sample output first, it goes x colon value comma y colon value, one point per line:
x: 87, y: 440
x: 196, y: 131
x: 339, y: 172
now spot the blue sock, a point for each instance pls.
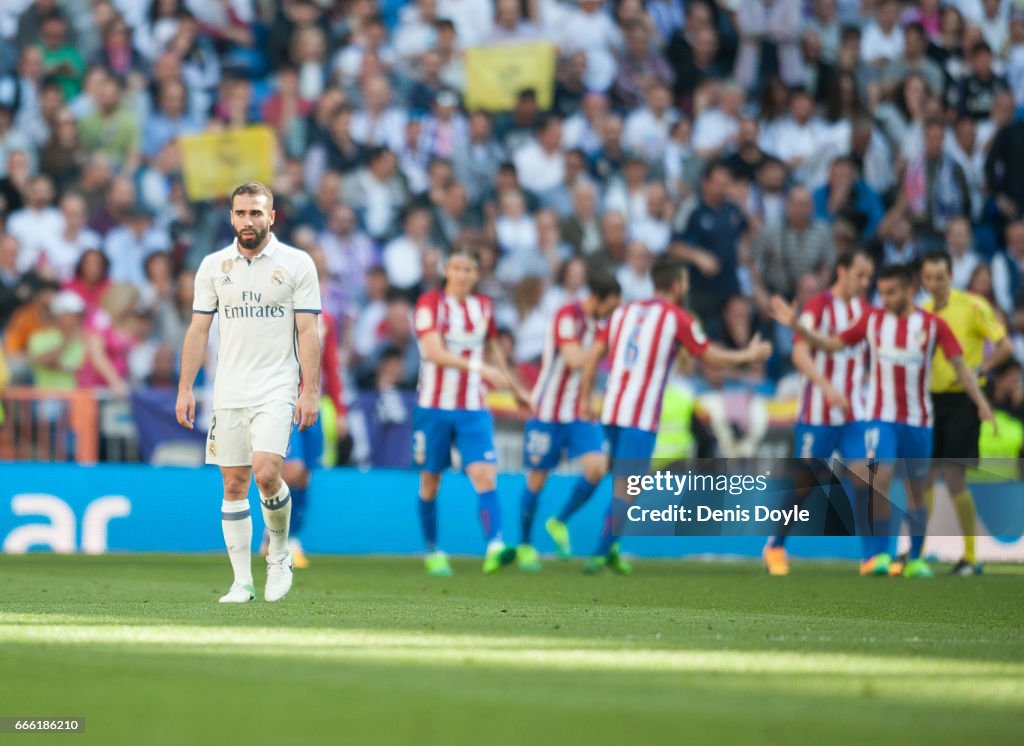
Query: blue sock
x: 299, y: 495
x: 880, y: 537
x: 859, y: 495
x: 490, y: 514
x: 581, y: 492
x: 918, y: 520
x: 613, y: 520
x: 777, y: 542
x: 428, y: 522
x: 527, y: 508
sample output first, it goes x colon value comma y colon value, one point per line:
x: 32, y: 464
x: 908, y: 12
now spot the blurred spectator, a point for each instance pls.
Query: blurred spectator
x: 349, y: 251
x: 710, y: 245
x: 129, y: 245
x: 394, y: 334
x: 172, y: 319
x: 370, y: 312
x: 627, y: 193
x: 693, y: 53
x: 1004, y: 170
x: 653, y: 227
x: 11, y: 140
x: 58, y: 253
x: 57, y: 350
x: 958, y: 244
x: 769, y: 37
x: 118, y: 204
x: 1007, y: 268
x: 91, y: 279
x: 614, y: 240
x: 10, y: 278
x: 738, y: 329
x: 883, y: 39
x: 826, y: 27
x: 112, y: 127
x: 935, y: 189
x: 786, y: 251
x: 570, y: 85
x: 509, y: 24
x: 540, y: 163
x: 378, y: 122
x: 639, y: 69
x: 453, y: 219
x: 109, y: 338
x: 979, y: 88
x: 531, y: 321
x: 63, y: 156
x: 913, y: 60
x: 403, y: 255
x: 744, y: 161
x: 377, y: 193
x: 476, y: 164
x: 29, y: 318
x: 60, y: 57
x: 715, y: 129
x: 847, y: 196
x: 415, y: 33
x: 647, y: 128
x: 895, y: 243
x: 581, y: 229
x: 15, y: 184
x: 315, y: 212
x: 589, y: 28
x: 117, y: 53
x: 634, y: 276
x: 35, y: 224
x: 170, y: 120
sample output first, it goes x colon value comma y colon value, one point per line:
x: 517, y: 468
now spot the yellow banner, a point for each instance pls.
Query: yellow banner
x: 496, y: 74
x: 214, y: 163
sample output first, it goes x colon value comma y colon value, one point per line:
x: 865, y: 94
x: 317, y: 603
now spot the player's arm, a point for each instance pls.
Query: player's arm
x: 309, y: 363
x: 573, y: 354
x: 193, y: 352
x: 517, y: 387
x: 803, y: 362
x: 1002, y: 352
x: 97, y: 354
x: 992, y: 329
x: 588, y: 373
x: 756, y: 351
x: 785, y: 314
x: 432, y: 350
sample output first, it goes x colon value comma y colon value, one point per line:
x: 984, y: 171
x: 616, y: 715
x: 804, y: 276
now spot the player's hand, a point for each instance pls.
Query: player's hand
x: 707, y: 263
x: 758, y: 350
x: 307, y: 409
x: 522, y: 397
x: 836, y: 398
x: 185, y: 408
x: 784, y: 313
x: 587, y: 413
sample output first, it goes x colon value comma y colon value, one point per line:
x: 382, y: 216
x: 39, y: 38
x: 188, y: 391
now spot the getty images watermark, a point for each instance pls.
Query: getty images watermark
x: 675, y: 484
x: 808, y: 497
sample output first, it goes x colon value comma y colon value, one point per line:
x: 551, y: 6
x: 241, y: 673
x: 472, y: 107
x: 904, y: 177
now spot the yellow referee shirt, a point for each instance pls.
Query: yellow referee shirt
x: 973, y: 322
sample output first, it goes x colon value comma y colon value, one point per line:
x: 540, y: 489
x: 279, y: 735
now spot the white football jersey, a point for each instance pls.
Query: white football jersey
x: 256, y: 301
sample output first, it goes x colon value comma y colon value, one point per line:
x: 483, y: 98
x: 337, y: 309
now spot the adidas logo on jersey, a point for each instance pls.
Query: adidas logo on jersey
x: 226, y: 280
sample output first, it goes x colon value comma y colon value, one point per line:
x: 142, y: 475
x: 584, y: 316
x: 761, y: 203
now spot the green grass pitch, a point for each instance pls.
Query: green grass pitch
x: 370, y: 651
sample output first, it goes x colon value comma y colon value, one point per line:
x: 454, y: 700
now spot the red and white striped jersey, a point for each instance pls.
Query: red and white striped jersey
x: 643, y: 338
x: 556, y: 395
x: 900, y: 362
x: 464, y: 326
x: 827, y: 315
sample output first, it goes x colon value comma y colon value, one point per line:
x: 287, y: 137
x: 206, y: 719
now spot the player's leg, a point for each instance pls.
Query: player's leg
x: 960, y: 452
x: 541, y: 451
x: 631, y: 451
x: 236, y: 524
x: 431, y: 451
x: 270, y: 429
x: 915, y: 447
x: 228, y: 446
x: 474, y: 437
x: 586, y: 442
x: 882, y: 443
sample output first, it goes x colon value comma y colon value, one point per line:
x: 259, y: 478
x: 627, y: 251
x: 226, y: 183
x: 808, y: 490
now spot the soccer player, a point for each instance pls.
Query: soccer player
x: 268, y: 298
x: 557, y: 425
x: 643, y: 338
x: 957, y: 427
x: 831, y: 405
x: 901, y: 341
x: 456, y: 331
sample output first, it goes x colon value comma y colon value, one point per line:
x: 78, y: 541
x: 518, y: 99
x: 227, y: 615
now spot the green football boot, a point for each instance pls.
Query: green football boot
x: 559, y: 534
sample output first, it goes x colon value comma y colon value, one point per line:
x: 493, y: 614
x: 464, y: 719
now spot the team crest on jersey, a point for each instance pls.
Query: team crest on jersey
x: 698, y: 333
x: 921, y: 339
x: 226, y: 265
x: 212, y: 448
x: 277, y: 278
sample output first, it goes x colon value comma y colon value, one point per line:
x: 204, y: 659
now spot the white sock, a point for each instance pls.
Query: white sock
x: 236, y: 520
x: 277, y: 513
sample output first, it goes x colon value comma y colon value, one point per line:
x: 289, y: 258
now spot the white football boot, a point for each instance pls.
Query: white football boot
x: 239, y: 593
x: 279, y: 578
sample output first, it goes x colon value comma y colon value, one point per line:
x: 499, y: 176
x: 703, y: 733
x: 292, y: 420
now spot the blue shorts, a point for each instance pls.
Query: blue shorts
x: 543, y: 442
x: 630, y: 448
x: 822, y: 441
x: 307, y: 445
x: 891, y: 440
x: 436, y: 430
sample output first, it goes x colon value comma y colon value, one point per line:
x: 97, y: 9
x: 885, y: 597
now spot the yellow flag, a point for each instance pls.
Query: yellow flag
x: 214, y: 163
x: 495, y: 74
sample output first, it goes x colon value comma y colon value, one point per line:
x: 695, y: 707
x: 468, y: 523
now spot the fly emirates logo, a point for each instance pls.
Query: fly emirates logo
x: 252, y: 307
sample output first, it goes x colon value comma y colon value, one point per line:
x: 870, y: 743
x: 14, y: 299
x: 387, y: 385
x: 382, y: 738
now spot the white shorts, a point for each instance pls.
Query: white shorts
x: 236, y: 433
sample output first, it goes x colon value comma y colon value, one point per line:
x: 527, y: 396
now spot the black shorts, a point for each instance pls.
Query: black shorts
x: 957, y: 427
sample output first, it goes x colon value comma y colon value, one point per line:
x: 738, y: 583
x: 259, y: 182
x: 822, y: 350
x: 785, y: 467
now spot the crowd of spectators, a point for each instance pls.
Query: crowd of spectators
x: 754, y: 139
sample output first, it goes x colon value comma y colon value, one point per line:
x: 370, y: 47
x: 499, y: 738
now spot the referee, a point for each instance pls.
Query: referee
x: 957, y: 427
